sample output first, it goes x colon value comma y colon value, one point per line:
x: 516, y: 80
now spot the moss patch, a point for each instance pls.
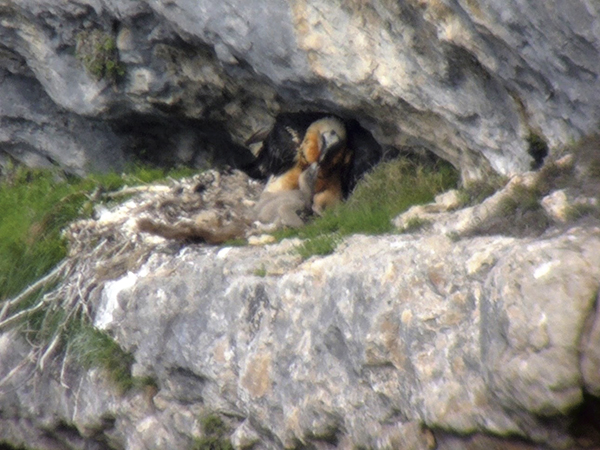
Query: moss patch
x: 215, y: 433
x: 97, y: 50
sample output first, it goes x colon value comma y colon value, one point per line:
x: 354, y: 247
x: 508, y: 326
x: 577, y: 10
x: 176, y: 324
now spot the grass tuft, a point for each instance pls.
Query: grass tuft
x: 98, y: 52
x: 476, y: 192
x: 520, y: 214
x: 215, y: 431
x: 261, y: 271
x: 390, y: 189
x: 581, y: 210
x: 415, y: 224
x: 523, y: 198
x: 321, y: 245
x: 94, y: 348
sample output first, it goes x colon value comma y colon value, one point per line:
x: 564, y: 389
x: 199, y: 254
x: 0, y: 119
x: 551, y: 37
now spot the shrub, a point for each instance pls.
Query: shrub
x: 214, y: 430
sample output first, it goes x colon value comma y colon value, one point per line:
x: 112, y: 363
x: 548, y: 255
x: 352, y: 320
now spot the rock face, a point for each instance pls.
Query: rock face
x: 479, y: 335
x: 37, y: 132
x: 442, y: 339
x: 473, y: 81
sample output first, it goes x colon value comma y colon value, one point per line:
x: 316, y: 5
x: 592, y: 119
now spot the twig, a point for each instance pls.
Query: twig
x: 78, y: 286
x: 136, y: 190
x: 63, y: 368
x: 20, y: 315
x: 49, y: 350
x: 31, y: 289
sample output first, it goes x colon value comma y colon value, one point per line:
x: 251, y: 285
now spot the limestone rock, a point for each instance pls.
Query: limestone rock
x: 443, y: 217
x: 561, y: 205
x: 590, y: 363
x: 37, y: 132
x: 479, y: 336
x: 383, y: 344
x: 561, y: 192
x: 480, y: 83
x: 449, y: 337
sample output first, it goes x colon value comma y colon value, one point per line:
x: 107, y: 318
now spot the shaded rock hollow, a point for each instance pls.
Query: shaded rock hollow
x: 472, y: 81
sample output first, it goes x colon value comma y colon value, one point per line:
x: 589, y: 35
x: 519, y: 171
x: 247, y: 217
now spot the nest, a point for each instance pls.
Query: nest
x: 117, y: 241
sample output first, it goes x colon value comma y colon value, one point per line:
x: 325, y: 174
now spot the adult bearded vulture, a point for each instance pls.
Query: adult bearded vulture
x: 343, y: 150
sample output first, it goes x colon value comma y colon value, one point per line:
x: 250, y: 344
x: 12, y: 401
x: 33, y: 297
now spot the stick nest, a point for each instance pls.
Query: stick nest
x: 111, y: 244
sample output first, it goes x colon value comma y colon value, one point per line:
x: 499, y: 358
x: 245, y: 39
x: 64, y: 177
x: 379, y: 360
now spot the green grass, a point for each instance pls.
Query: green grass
x: 87, y: 345
x: 593, y: 169
x: 578, y: 211
x: 389, y: 190
x: 94, y: 348
x: 235, y: 243
x: 261, y: 271
x: 319, y: 245
x: 35, y: 206
x: 98, y: 52
x: 215, y: 431
x: 476, y: 192
x: 522, y: 198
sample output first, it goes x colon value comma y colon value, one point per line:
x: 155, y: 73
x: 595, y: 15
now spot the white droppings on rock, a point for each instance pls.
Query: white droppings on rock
x: 222, y: 254
x: 544, y: 269
x: 110, y: 299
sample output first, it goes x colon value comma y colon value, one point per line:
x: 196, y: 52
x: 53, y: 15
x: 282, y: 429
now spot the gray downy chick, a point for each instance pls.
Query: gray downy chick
x: 286, y: 208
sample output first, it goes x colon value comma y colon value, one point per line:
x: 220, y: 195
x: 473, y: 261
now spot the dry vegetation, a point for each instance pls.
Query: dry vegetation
x: 36, y: 206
